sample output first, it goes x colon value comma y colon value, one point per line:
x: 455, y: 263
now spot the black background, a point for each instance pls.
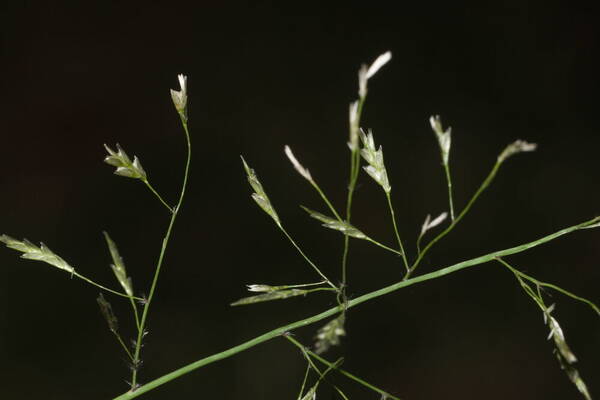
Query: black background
x: 263, y: 75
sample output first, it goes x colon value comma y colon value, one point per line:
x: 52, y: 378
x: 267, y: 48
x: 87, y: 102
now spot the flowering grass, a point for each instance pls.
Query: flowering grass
x: 362, y: 148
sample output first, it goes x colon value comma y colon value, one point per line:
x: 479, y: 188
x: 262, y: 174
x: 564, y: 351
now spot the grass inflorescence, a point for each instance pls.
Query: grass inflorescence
x: 362, y: 147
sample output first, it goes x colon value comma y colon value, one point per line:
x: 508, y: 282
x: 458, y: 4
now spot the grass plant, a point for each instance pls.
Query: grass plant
x: 362, y: 147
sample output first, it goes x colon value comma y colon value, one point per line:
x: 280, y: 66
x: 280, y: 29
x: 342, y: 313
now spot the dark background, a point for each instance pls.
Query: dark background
x: 262, y: 76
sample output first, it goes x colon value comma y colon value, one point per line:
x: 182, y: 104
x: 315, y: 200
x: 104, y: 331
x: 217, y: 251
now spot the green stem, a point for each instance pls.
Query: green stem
x: 88, y: 280
x: 158, y: 196
x: 354, y: 170
x: 340, y: 370
x: 331, y: 366
x: 304, y: 380
x: 383, y: 246
x: 351, y: 303
x: 480, y: 190
x: 123, y: 345
x: 135, y: 314
x: 326, y: 200
x: 142, y: 324
x: 308, y: 260
x: 449, y: 180
x: 322, y: 289
x: 393, y: 216
x: 548, y: 285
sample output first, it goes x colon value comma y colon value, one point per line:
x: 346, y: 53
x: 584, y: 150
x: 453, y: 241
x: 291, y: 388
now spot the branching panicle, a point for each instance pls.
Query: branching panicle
x: 332, y: 332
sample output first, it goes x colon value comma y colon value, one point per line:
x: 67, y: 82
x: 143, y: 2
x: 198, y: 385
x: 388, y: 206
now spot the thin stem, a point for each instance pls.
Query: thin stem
x: 345, y: 261
x: 88, y: 280
x: 135, y: 314
x: 304, y: 381
x: 354, y: 170
x: 123, y: 345
x: 142, y: 324
x: 282, y: 287
x: 340, y: 370
x: 308, y: 260
x: 536, y: 297
x: 158, y: 196
x: 548, y: 285
x: 449, y: 180
x: 327, y: 289
x: 331, y: 366
x: 325, y: 199
x: 351, y: 303
x: 393, y: 216
x: 480, y: 190
x: 383, y: 246
x: 419, y: 245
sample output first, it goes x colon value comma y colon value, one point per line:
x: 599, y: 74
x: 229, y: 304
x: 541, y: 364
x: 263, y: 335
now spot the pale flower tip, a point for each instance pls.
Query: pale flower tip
x: 436, y: 123
x: 432, y: 122
x: 378, y: 63
x: 353, y: 112
x: 518, y: 146
x: 182, y: 82
x: 301, y: 170
x: 259, y: 288
x: 246, y: 167
x: 180, y: 96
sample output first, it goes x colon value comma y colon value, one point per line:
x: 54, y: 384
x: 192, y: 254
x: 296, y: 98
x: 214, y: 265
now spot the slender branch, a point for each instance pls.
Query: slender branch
x: 393, y: 216
x: 351, y: 303
x: 340, y: 370
x: 383, y: 246
x: 354, y: 170
x: 325, y: 199
x: 124, y: 345
x: 548, y: 285
x: 142, y: 324
x: 88, y: 280
x: 449, y: 180
x: 135, y: 314
x: 304, y: 381
x: 158, y: 196
x: 308, y: 260
x: 480, y: 190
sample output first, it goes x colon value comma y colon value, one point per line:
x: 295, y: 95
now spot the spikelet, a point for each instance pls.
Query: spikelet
x: 259, y: 195
x: 124, y: 165
x: 443, y: 136
x: 330, y: 334
x: 335, y: 224
x: 374, y: 157
x: 118, y: 266
x: 518, y: 146
x: 32, y: 252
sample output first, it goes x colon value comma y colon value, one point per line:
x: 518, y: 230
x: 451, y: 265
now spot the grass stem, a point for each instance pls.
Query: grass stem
x: 351, y: 303
x: 393, y: 216
x: 340, y: 370
x: 308, y: 260
x: 158, y: 196
x: 88, y: 280
x: 175, y: 211
x: 488, y: 180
